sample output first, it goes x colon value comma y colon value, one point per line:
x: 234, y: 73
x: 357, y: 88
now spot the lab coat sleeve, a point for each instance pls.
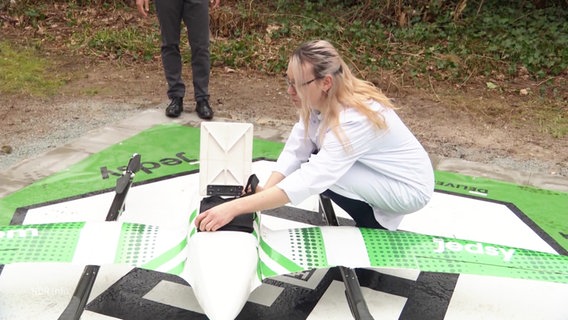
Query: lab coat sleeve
x: 332, y: 161
x: 297, y: 150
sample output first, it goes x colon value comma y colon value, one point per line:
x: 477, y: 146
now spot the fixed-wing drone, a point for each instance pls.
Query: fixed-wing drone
x: 224, y: 267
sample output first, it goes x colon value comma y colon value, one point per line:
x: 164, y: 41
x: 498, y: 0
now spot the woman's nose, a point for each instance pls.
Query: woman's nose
x: 291, y: 91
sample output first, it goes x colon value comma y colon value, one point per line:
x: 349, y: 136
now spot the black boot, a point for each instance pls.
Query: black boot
x: 203, y: 110
x: 175, y: 108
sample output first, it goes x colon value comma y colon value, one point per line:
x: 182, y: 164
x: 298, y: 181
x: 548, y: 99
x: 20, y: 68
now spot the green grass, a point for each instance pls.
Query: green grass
x: 130, y: 42
x: 493, y: 43
x: 500, y: 38
x: 493, y: 38
x: 24, y: 71
x: 553, y: 121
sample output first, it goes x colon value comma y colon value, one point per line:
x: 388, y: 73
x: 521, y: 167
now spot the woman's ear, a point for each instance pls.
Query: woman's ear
x: 327, y: 83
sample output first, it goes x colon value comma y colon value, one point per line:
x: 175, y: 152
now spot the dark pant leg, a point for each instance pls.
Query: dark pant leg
x: 360, y: 211
x: 196, y: 18
x: 169, y: 14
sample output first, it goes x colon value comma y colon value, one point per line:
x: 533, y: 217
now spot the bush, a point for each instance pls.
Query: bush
x: 451, y: 41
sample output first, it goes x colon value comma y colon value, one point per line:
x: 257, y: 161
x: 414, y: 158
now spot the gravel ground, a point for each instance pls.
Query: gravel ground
x: 107, y: 94
x: 30, y: 143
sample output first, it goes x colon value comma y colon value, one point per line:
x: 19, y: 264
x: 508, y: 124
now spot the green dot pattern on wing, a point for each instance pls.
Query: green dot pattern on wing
x: 136, y: 244
x: 308, y: 249
x: 438, y: 254
x: 389, y: 249
x: 39, y: 243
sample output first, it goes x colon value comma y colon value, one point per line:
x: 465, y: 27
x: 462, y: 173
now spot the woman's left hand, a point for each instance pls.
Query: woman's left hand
x: 216, y: 217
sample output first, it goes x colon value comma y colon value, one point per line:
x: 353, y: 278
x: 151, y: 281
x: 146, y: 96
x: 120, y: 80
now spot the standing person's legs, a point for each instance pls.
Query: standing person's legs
x: 196, y: 18
x: 169, y: 14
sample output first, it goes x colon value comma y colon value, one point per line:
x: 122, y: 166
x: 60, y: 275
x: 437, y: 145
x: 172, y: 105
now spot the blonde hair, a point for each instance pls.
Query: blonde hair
x: 347, y: 91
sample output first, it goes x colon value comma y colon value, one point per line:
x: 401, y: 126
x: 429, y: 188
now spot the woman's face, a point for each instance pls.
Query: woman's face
x: 308, y: 84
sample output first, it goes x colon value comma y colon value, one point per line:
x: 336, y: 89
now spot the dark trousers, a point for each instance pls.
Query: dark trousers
x: 195, y: 16
x: 360, y: 211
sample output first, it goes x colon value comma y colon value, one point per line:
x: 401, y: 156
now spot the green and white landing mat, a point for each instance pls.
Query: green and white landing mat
x: 481, y: 249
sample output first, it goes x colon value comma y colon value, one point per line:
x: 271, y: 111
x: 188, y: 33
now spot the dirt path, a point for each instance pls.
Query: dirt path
x: 99, y: 94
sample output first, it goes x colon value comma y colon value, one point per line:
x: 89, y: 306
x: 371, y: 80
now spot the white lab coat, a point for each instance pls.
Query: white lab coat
x: 389, y: 169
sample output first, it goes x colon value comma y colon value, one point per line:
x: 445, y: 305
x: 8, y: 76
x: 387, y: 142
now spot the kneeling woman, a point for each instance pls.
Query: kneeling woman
x: 348, y: 144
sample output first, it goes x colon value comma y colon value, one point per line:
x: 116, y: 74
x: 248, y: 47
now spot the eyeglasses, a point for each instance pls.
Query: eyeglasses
x: 293, y: 85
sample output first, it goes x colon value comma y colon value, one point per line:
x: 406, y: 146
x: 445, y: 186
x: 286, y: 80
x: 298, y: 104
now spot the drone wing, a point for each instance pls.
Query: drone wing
x: 97, y: 243
x: 280, y: 252
x: 293, y: 250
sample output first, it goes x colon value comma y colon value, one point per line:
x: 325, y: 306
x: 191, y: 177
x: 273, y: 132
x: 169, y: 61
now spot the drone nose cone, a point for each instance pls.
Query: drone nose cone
x: 222, y: 271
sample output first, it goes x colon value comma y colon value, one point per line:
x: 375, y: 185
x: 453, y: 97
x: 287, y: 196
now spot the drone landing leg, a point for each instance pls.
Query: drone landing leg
x: 77, y: 304
x: 353, y: 293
